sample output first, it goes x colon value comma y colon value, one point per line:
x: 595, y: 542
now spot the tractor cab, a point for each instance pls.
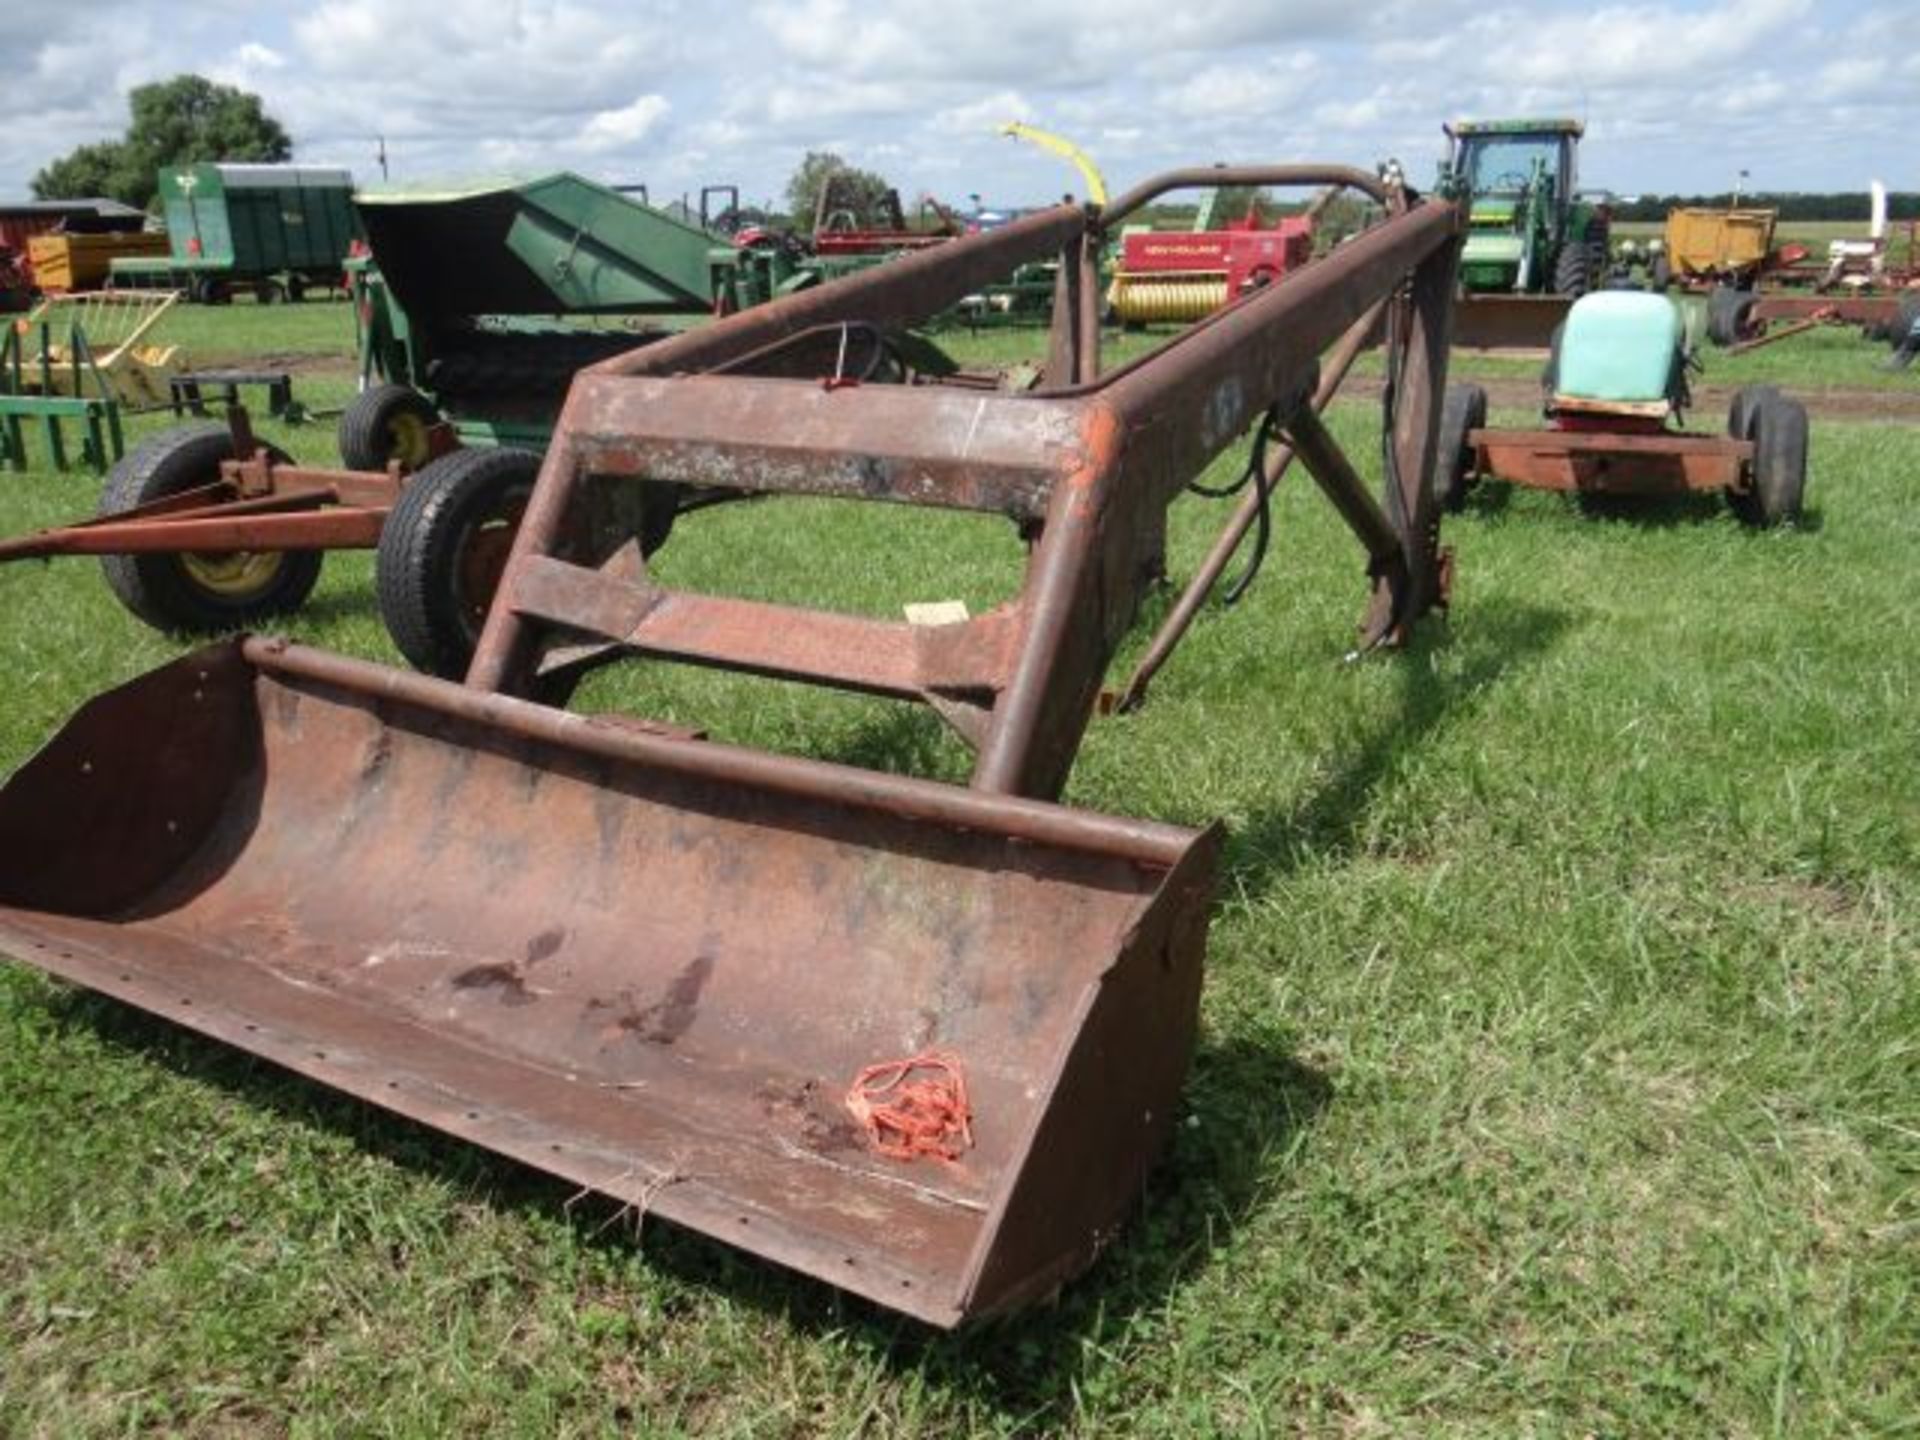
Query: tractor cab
x: 1527, y: 233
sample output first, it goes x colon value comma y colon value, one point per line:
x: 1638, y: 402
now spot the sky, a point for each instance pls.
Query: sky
x: 1678, y: 95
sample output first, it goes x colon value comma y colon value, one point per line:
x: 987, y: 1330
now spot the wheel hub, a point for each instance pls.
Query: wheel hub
x: 233, y: 574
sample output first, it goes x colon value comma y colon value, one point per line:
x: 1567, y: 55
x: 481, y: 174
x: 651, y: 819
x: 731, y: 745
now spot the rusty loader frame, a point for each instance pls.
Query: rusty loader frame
x: 1086, y: 467
x: 653, y: 964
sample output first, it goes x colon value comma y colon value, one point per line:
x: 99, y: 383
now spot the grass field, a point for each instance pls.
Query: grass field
x: 1560, y: 1065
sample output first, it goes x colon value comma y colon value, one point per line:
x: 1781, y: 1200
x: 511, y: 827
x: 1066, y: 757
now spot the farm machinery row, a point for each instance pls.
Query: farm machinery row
x: 1760, y: 289
x: 474, y: 311
x: 480, y: 310
x: 921, y: 1041
x: 918, y: 1040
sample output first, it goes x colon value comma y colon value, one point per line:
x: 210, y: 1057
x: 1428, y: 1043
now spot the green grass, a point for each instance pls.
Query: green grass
x: 1559, y: 1071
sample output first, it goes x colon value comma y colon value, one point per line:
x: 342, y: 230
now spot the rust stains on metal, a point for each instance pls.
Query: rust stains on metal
x: 649, y: 963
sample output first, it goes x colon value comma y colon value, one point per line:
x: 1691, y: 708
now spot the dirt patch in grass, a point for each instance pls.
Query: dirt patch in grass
x: 1710, y: 402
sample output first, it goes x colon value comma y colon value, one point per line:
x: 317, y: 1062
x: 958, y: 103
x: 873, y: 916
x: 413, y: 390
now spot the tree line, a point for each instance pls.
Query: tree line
x: 1793, y: 205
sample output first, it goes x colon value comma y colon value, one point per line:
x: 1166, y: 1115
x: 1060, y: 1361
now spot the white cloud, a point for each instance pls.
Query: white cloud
x: 1679, y: 93
x: 630, y: 124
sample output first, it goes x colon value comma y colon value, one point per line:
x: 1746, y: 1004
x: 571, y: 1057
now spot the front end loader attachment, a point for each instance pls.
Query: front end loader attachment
x: 653, y: 967
x: 918, y: 1040
x: 1508, y: 322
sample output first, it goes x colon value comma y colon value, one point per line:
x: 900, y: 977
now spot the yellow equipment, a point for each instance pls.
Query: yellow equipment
x: 115, y: 323
x: 63, y: 262
x: 1703, y: 242
x: 1067, y: 150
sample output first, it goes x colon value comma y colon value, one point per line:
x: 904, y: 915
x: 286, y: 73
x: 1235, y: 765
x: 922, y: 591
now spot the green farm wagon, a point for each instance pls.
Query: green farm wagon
x: 276, y: 230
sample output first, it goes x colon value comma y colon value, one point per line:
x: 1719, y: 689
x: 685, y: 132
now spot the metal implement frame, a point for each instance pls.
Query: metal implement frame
x: 1085, y: 466
x: 1600, y: 462
x: 52, y: 390
x: 653, y: 964
x: 258, y: 504
x: 1804, y: 312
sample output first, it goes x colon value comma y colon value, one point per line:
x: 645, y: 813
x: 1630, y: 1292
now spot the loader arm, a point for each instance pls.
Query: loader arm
x: 667, y: 968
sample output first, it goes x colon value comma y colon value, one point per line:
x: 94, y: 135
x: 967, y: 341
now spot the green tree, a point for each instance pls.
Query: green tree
x: 99, y: 168
x: 173, y: 122
x: 861, y: 191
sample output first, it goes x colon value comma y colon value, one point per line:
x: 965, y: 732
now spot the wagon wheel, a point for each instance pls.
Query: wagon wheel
x: 384, y: 424
x: 445, y: 545
x: 442, y: 551
x: 205, y: 593
x: 1464, y: 411
x: 1730, y: 315
x: 1777, y: 426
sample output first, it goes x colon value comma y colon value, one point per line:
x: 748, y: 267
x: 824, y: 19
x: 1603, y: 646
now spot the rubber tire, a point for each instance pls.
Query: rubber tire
x: 1727, y: 312
x: 1463, y: 410
x: 156, y: 587
x: 1777, y: 426
x: 1573, y: 271
x: 207, y: 290
x: 1900, y: 329
x: 1717, y: 299
x: 1550, y: 373
x: 1746, y: 400
x: 1660, y: 273
x: 366, y: 436
x: 417, y: 567
x: 296, y: 289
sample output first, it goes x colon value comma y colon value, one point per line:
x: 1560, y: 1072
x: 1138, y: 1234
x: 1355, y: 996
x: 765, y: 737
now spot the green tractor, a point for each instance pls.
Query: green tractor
x: 1534, y: 243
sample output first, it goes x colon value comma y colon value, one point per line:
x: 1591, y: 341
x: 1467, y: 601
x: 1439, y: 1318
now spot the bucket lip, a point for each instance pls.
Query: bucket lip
x: 1151, y: 844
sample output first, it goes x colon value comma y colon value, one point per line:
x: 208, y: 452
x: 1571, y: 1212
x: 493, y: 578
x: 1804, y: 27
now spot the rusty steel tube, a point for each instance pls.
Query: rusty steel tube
x: 1210, y: 177
x: 1343, y: 487
x: 1143, y: 842
x: 1297, y: 316
x: 900, y: 292
x: 1279, y: 459
x: 313, y: 528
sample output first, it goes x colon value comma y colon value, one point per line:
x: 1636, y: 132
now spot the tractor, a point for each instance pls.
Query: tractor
x: 1616, y: 392
x: 1534, y: 243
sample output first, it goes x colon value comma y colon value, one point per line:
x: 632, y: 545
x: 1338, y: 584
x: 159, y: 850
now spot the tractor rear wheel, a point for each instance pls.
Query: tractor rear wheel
x: 442, y: 551
x: 204, y: 593
x: 1573, y: 271
x: 1777, y: 426
x: 1455, y: 470
x: 386, y: 423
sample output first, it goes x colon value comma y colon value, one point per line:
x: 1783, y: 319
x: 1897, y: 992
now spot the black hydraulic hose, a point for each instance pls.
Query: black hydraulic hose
x: 1253, y: 473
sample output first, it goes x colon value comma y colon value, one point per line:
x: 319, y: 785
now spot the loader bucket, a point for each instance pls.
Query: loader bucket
x: 1508, y: 322
x: 647, y: 964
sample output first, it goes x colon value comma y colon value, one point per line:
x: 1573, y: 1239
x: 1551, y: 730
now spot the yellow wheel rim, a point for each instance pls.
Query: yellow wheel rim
x: 409, y: 436
x: 234, y: 574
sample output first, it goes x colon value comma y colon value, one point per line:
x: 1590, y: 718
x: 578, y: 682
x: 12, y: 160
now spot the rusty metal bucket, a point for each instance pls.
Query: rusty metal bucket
x: 650, y: 965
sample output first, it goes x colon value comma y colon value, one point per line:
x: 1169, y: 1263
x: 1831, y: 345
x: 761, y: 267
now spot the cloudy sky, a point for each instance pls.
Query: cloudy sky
x: 1678, y: 94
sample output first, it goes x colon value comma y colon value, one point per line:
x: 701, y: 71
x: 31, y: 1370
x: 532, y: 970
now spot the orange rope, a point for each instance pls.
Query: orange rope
x: 906, y: 1117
